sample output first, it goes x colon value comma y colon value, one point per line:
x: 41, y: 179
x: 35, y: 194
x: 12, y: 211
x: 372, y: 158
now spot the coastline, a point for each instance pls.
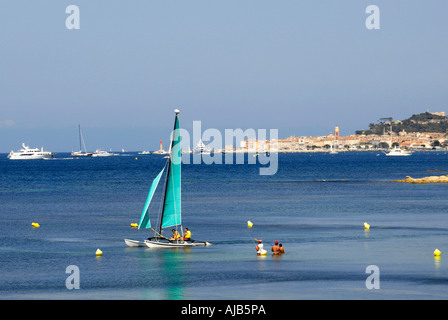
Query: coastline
x: 379, y: 151
x: 425, y: 180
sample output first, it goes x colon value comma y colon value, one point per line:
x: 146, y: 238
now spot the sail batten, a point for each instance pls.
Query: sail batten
x: 144, y: 219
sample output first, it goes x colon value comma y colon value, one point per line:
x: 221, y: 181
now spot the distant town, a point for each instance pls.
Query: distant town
x: 427, y: 131
x: 364, y: 140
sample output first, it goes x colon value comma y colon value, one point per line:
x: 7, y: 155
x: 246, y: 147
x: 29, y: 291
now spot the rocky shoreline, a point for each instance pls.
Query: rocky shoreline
x: 425, y: 180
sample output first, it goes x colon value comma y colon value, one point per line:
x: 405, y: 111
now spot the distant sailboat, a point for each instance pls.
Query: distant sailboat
x: 333, y: 151
x: 336, y: 137
x: 80, y: 153
x: 171, y: 210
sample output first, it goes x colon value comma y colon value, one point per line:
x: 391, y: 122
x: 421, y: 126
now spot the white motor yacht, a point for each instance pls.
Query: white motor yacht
x: 397, y: 152
x: 201, y: 148
x: 27, y: 153
x: 102, y: 153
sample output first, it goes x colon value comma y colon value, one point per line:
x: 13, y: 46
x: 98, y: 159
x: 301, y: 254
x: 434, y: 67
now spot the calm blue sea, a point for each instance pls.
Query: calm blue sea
x: 315, y: 205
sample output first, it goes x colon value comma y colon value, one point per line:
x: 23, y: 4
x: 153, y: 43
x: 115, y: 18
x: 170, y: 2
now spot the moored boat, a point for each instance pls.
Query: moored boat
x: 27, y: 153
x: 102, y: 153
x: 397, y: 152
x: 80, y: 153
x: 201, y: 148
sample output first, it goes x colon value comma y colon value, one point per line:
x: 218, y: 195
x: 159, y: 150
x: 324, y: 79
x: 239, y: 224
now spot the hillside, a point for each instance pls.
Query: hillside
x: 423, y: 122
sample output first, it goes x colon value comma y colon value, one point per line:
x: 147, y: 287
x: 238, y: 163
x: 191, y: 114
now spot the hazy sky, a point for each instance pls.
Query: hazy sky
x: 299, y: 66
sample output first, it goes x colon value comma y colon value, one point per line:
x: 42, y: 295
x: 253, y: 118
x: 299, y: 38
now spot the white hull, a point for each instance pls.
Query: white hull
x: 101, y: 153
x: 30, y: 157
x: 81, y: 154
x: 134, y: 243
x: 165, y: 244
x: 27, y: 153
x: 175, y: 244
x: 398, y: 153
x: 199, y: 152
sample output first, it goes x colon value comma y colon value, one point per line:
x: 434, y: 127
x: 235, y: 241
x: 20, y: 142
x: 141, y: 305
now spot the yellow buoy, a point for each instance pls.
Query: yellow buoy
x: 263, y: 252
x: 366, y: 226
x: 99, y: 253
x: 437, y: 253
x: 134, y: 225
x: 250, y: 224
x: 136, y: 158
x: 35, y: 225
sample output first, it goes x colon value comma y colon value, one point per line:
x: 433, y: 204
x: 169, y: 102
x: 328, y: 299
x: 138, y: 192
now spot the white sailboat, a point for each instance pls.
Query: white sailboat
x: 333, y: 151
x: 171, y: 209
x: 80, y: 153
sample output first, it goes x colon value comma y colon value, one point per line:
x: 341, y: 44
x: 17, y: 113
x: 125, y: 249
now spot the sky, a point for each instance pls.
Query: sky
x: 301, y: 67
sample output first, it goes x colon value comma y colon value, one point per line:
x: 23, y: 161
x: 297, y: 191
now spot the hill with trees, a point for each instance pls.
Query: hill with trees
x: 423, y: 122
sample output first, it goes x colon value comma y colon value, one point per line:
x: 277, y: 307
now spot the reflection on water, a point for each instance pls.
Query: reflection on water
x: 165, y: 270
x: 366, y: 233
x: 171, y: 266
x: 437, y: 263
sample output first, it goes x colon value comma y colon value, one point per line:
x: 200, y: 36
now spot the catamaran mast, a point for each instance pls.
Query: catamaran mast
x: 79, y: 133
x: 168, y: 171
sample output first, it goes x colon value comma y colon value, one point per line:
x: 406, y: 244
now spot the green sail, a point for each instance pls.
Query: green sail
x: 144, y: 219
x: 172, y: 207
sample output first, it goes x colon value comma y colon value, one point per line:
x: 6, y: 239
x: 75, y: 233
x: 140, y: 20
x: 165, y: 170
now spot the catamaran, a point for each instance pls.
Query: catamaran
x: 171, y: 209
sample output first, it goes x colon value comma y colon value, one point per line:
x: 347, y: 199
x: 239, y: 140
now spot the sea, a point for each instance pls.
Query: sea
x: 315, y: 205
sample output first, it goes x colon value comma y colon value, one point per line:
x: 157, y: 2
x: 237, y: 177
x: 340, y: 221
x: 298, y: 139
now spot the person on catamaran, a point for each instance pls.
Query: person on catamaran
x: 259, y: 247
x: 176, y: 235
x: 187, y: 235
